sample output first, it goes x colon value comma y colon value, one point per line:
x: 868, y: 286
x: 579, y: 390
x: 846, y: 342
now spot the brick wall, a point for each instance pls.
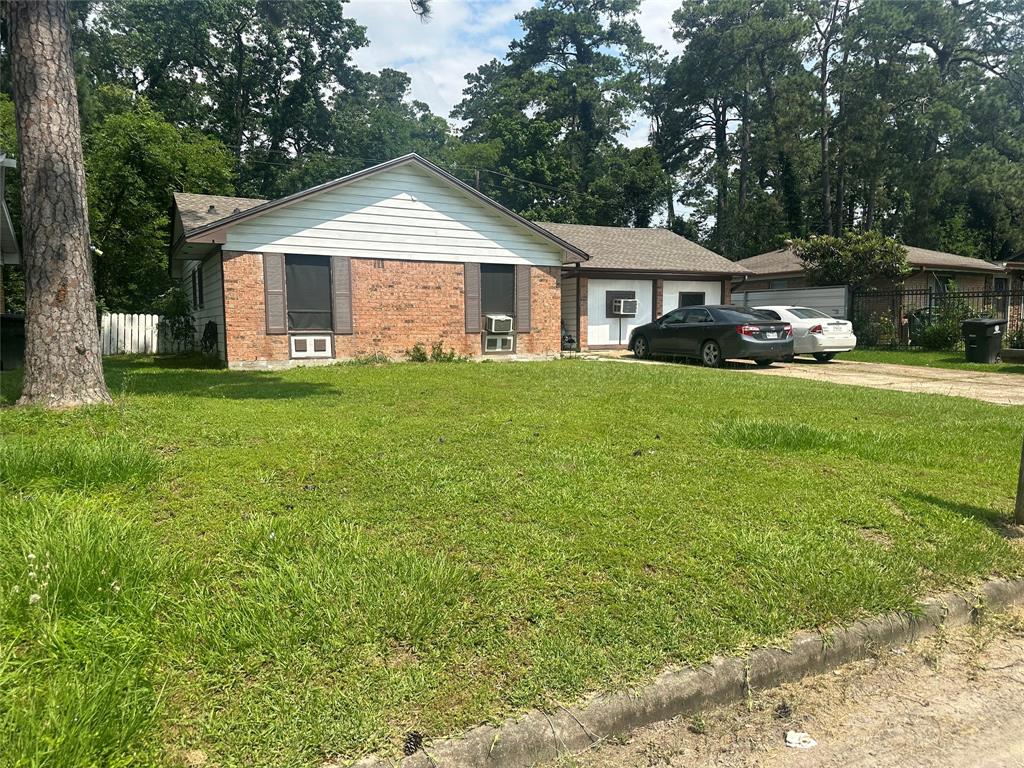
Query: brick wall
x: 584, y: 318
x: 659, y: 298
x: 395, y: 304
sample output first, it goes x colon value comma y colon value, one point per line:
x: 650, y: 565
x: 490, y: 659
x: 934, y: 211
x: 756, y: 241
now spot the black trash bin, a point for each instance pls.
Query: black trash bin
x: 983, y: 338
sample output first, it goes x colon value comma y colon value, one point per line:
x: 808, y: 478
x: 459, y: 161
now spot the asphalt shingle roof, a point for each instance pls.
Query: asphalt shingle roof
x: 784, y: 260
x: 199, y: 210
x: 642, y: 249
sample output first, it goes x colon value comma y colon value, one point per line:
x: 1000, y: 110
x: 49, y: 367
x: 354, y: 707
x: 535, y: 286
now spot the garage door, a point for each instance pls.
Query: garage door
x: 605, y: 329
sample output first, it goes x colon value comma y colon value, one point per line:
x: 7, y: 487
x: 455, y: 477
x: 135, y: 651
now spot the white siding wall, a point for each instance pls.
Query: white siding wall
x: 213, y: 298
x: 670, y: 296
x: 602, y: 330
x: 400, y: 213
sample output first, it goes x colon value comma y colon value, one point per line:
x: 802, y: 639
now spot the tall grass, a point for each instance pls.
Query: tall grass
x: 77, y: 596
x: 55, y: 464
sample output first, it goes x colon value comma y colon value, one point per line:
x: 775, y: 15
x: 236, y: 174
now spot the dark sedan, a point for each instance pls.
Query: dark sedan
x: 713, y: 334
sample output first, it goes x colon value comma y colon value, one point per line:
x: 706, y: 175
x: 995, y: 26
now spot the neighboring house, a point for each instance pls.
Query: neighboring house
x: 931, y: 269
x: 10, y: 251
x: 375, y: 262
x: 655, y: 269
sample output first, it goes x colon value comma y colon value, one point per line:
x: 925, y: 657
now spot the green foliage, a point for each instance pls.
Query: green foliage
x: 856, y: 259
x: 944, y: 331
x: 552, y: 112
x: 176, y: 320
x: 418, y: 354
x: 135, y: 160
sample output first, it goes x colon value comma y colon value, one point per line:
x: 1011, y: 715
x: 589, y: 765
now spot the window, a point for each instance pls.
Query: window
x: 498, y: 289
x: 675, y: 317
x: 806, y: 313
x: 779, y: 283
x: 691, y: 298
x: 737, y: 315
x: 697, y: 316
x: 770, y: 313
x: 308, y: 290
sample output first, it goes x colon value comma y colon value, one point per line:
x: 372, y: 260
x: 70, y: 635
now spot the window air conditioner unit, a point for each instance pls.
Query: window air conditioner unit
x: 624, y: 307
x: 311, y: 346
x: 498, y: 343
x: 499, y: 324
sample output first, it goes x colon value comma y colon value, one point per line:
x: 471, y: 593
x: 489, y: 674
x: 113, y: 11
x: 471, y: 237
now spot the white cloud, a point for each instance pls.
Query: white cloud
x: 655, y: 19
x: 437, y: 54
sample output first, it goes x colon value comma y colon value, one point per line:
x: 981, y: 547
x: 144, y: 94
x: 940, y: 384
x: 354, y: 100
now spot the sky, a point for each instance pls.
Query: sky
x: 460, y: 36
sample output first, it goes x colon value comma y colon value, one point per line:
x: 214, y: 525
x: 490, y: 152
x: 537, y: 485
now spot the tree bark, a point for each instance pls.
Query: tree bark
x: 63, y: 366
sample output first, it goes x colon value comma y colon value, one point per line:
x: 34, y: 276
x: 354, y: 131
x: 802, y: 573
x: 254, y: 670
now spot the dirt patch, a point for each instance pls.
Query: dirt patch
x: 951, y: 700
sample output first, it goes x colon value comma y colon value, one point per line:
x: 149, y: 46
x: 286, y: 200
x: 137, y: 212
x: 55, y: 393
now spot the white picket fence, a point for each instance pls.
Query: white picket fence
x: 127, y: 334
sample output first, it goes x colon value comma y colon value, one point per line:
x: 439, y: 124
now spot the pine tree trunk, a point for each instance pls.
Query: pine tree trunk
x: 63, y: 367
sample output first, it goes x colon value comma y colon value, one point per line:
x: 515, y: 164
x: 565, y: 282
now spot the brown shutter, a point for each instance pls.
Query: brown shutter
x: 523, y: 298
x: 273, y: 286
x: 341, y: 281
x: 472, y: 294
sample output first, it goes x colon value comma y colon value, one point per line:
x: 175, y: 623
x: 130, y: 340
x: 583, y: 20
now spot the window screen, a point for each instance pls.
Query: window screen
x: 691, y: 298
x: 497, y: 289
x: 308, y: 284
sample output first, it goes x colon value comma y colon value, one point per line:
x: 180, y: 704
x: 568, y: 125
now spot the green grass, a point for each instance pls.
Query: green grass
x: 930, y: 358
x: 277, y: 568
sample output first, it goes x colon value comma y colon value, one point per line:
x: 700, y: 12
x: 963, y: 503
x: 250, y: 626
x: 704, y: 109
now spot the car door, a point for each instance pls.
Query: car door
x: 664, y: 340
x: 696, y: 322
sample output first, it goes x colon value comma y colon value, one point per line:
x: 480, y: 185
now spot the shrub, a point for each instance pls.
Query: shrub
x: 438, y: 354
x: 1015, y: 340
x: 417, y: 353
x: 176, y: 322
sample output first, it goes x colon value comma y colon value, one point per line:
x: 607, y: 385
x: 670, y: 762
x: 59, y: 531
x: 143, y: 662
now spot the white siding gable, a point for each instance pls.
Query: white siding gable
x: 404, y: 212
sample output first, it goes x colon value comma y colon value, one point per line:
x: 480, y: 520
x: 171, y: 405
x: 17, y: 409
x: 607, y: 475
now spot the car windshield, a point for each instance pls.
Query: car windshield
x: 739, y: 315
x: 806, y: 313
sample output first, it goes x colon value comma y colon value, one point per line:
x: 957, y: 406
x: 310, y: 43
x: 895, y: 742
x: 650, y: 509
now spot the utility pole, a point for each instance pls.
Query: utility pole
x: 477, y: 172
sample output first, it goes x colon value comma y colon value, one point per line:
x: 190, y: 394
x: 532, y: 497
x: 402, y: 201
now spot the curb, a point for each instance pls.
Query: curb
x: 542, y: 736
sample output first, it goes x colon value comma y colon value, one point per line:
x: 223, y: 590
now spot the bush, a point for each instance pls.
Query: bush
x: 418, y: 354
x: 176, y: 322
x: 1015, y: 340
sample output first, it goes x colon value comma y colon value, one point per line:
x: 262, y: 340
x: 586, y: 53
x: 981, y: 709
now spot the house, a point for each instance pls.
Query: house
x: 931, y: 269
x: 405, y: 253
x: 10, y: 251
x: 653, y: 270
x: 374, y: 262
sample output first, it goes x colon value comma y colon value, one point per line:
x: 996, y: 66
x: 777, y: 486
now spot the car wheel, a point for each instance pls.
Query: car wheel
x: 711, y: 354
x: 789, y: 359
x: 763, y: 363
x: 641, y: 347
x: 824, y: 357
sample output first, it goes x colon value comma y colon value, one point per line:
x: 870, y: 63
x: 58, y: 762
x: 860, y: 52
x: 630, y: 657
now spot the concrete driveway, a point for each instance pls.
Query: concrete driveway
x: 999, y: 388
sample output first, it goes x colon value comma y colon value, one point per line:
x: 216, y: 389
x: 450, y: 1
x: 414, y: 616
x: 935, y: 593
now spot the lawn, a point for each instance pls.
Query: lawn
x: 930, y: 358
x: 276, y: 568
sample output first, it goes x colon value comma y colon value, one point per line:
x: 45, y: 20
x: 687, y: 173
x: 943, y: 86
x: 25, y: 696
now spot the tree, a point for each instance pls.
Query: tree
x: 855, y: 258
x: 553, y: 111
x: 63, y: 366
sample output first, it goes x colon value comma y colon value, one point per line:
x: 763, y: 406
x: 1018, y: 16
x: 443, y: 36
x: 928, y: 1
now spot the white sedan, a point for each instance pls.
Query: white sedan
x: 814, y: 332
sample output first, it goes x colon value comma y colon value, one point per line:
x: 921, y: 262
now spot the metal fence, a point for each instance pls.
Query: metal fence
x: 928, y: 317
